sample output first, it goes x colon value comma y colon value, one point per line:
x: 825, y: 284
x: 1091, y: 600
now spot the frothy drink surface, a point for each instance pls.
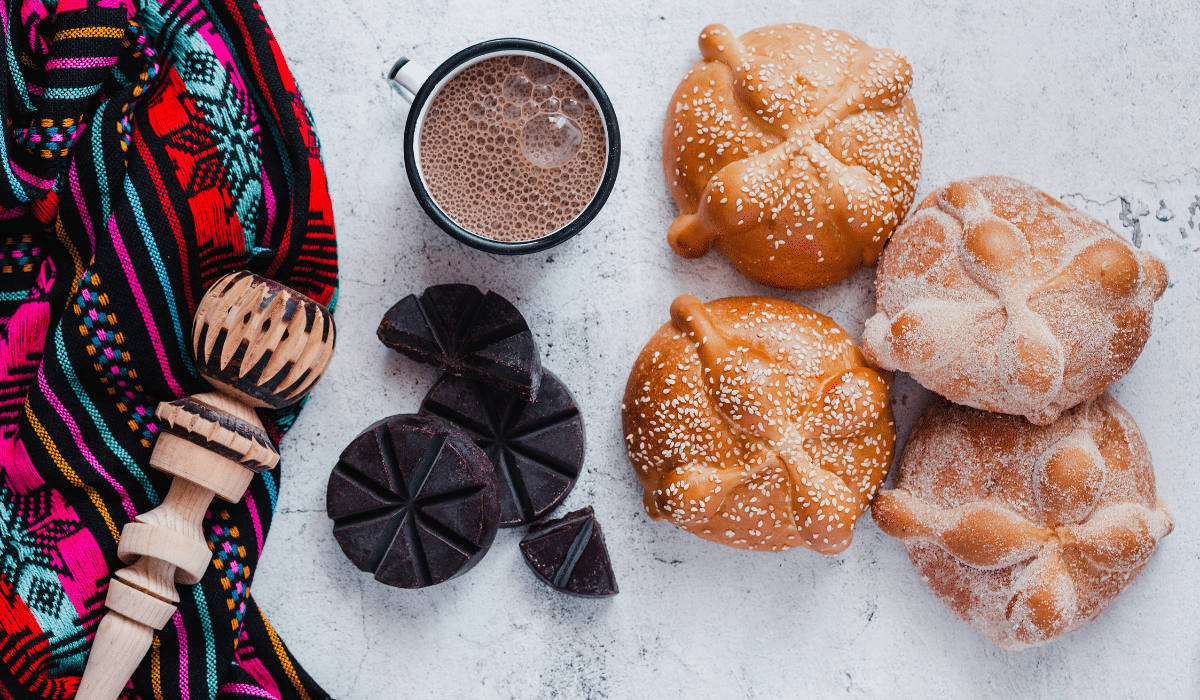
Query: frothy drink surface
x: 512, y: 148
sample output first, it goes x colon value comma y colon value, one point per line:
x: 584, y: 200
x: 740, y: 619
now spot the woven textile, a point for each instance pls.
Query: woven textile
x: 147, y: 151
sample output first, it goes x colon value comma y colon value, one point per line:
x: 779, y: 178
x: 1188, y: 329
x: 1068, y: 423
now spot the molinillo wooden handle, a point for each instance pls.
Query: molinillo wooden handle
x: 261, y: 345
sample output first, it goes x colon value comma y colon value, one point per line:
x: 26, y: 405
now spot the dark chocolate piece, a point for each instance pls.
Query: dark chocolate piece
x: 536, y: 447
x: 469, y: 334
x: 569, y: 554
x: 414, y: 501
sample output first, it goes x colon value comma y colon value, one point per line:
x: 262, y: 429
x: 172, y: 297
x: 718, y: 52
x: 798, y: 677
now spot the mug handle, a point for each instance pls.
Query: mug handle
x: 409, y: 76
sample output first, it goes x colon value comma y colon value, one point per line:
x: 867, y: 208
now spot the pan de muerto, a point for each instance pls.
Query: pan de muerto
x: 792, y: 150
x: 998, y: 296
x: 1026, y: 532
x: 756, y: 423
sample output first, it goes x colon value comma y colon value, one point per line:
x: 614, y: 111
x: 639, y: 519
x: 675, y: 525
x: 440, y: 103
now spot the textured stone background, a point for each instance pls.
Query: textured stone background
x: 1098, y: 103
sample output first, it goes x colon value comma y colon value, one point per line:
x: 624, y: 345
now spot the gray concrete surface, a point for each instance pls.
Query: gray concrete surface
x: 1098, y: 103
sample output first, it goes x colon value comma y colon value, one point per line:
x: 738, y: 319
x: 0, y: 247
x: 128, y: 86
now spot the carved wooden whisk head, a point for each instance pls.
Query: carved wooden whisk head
x: 261, y: 342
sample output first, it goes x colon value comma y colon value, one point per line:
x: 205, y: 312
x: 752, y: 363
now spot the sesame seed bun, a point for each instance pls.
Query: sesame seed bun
x: 793, y: 150
x: 757, y: 423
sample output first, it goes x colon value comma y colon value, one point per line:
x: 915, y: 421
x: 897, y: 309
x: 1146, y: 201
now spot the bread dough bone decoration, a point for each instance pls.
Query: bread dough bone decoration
x: 756, y: 423
x: 793, y: 150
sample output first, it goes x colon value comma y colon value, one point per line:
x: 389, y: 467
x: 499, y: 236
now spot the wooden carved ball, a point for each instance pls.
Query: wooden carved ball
x: 793, y: 150
x: 998, y: 296
x: 1026, y: 532
x: 756, y: 423
x: 261, y: 341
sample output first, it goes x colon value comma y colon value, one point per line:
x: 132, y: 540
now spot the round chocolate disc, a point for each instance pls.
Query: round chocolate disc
x: 414, y: 501
x: 535, y: 446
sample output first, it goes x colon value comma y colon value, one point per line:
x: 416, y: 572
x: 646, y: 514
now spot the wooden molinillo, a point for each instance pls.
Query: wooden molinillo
x: 261, y: 345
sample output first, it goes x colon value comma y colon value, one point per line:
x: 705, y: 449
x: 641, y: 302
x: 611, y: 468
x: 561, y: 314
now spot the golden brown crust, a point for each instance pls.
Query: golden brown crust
x: 1026, y: 532
x: 756, y: 423
x: 996, y: 295
x: 793, y: 150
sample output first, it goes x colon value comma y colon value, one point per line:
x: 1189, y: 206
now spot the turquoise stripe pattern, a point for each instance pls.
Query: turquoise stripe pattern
x: 181, y: 347
x: 71, y: 93
x: 98, y: 423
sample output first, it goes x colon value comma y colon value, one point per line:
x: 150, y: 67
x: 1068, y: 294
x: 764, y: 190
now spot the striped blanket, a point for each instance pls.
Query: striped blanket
x: 148, y: 148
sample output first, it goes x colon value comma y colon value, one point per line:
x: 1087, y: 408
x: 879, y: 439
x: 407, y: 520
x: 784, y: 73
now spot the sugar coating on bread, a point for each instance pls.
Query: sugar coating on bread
x: 756, y: 423
x: 1026, y: 532
x: 793, y: 150
x: 998, y: 296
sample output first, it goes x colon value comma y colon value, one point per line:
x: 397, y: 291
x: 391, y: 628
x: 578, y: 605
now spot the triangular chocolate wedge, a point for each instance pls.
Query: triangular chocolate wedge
x: 569, y: 554
x: 467, y: 333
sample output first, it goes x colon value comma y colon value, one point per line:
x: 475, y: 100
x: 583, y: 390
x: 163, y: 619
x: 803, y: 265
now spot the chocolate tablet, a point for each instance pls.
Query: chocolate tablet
x: 413, y: 501
x: 467, y: 333
x: 536, y: 447
x: 569, y: 554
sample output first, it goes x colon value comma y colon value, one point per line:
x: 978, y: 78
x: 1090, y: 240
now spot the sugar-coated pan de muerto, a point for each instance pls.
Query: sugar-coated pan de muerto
x: 1026, y: 532
x: 793, y: 150
x: 998, y: 296
x: 756, y: 423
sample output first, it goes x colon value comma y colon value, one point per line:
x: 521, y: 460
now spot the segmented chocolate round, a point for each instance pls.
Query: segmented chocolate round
x: 536, y: 447
x: 413, y: 501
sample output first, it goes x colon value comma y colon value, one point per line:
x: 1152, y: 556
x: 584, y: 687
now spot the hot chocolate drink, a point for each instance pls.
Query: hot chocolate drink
x: 512, y: 148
